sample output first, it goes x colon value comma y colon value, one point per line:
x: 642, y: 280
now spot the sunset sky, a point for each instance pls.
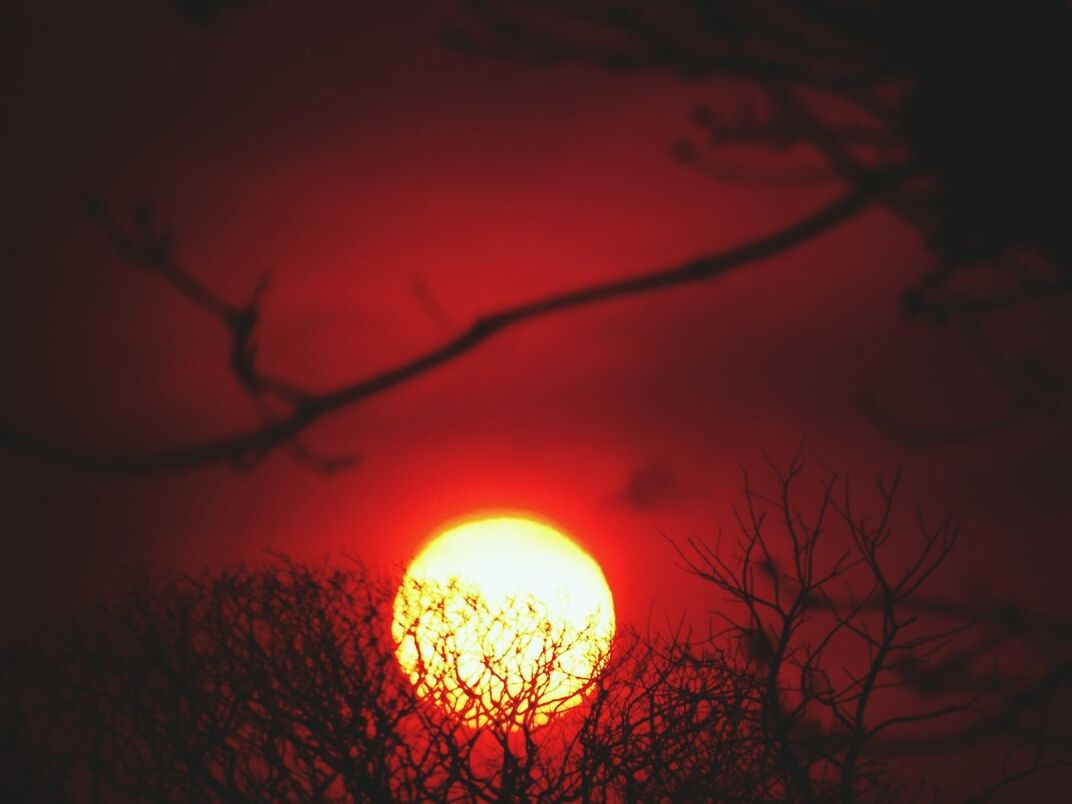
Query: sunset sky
x: 395, y: 190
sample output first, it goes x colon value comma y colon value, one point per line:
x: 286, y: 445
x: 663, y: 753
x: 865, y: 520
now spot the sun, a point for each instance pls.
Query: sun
x: 503, y: 621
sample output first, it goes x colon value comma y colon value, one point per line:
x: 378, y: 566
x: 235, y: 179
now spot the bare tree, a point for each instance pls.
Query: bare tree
x: 826, y: 662
x: 282, y: 684
x: 856, y: 664
x: 240, y: 685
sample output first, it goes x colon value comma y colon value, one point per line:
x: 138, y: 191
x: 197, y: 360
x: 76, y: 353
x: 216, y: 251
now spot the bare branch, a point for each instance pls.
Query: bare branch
x: 253, y: 445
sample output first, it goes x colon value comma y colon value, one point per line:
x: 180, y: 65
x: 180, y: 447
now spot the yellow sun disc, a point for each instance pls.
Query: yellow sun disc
x: 503, y: 621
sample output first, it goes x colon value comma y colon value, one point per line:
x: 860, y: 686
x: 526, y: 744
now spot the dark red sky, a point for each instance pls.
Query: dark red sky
x: 352, y: 157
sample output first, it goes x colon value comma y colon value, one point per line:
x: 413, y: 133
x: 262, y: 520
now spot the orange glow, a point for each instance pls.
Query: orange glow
x: 503, y: 621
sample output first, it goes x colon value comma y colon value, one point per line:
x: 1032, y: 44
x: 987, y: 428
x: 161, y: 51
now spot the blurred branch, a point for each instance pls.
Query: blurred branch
x: 148, y: 248
x: 811, y: 92
x: 855, y: 93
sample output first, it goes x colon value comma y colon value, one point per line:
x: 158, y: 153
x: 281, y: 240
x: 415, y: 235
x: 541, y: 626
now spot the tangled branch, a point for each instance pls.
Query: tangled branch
x: 826, y: 662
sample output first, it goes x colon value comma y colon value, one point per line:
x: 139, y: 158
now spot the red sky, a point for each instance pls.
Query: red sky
x: 355, y: 158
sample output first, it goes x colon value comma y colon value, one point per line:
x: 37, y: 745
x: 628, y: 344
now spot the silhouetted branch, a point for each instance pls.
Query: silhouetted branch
x: 282, y: 684
x: 287, y: 682
x: 836, y: 90
x: 883, y: 419
x: 305, y: 408
x: 864, y: 90
x: 858, y: 665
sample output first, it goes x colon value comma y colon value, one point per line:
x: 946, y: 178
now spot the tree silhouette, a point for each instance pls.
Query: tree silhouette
x: 825, y: 662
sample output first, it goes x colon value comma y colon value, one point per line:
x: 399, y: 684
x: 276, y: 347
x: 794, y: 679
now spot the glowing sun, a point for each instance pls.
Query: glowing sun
x: 503, y: 621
